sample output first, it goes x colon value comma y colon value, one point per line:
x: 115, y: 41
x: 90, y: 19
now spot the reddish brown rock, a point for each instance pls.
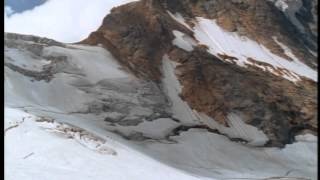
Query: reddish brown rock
x: 258, y: 20
x: 271, y: 103
x: 140, y: 33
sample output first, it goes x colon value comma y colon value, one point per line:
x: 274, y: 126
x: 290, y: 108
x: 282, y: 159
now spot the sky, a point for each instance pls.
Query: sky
x: 66, y: 21
x: 18, y: 6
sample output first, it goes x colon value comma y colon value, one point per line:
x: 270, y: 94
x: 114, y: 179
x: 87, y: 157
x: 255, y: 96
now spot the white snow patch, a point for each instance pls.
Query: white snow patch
x: 183, y: 41
x: 313, y: 53
x: 95, y: 62
x: 297, y: 66
x: 282, y: 5
x: 215, y: 156
x: 180, y: 108
x: 237, y: 129
x: 156, y: 129
x: 85, y: 66
x: 209, y: 33
x: 179, y: 18
x: 306, y: 138
x: 24, y: 59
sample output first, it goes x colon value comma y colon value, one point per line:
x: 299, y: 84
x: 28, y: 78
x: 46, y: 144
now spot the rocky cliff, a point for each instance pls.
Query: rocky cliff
x: 139, y: 34
x: 196, y: 89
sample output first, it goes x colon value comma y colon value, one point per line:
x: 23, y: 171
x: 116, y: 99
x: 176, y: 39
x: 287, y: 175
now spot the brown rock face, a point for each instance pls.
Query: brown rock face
x: 258, y: 20
x: 273, y: 104
x: 140, y: 33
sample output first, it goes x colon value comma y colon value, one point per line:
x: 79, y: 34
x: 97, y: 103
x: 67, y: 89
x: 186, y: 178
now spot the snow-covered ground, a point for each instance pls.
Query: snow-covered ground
x: 215, y: 156
x: 34, y: 152
x: 93, y: 120
x: 42, y: 137
x: 218, y: 41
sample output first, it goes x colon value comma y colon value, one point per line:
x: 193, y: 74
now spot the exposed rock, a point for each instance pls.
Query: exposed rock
x: 40, y: 40
x: 259, y: 20
x: 140, y: 33
x: 271, y: 103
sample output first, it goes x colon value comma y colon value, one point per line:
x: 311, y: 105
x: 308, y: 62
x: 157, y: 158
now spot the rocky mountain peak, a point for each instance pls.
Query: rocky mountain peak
x: 141, y: 33
x: 209, y: 89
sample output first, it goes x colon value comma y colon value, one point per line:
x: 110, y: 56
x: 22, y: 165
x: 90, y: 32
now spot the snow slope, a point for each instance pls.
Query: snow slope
x: 213, y: 155
x: 218, y: 41
x: 50, y: 145
x: 33, y: 152
x: 89, y: 119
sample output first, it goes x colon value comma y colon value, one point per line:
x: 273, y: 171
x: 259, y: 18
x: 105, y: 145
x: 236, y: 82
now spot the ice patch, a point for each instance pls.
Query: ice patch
x: 183, y: 41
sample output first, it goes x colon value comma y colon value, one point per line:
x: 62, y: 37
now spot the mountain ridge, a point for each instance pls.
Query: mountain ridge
x: 141, y: 49
x: 167, y: 89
